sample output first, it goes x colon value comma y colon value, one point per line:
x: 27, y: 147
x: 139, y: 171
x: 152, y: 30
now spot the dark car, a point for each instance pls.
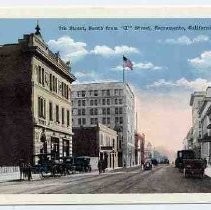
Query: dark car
x: 82, y: 164
x: 148, y: 165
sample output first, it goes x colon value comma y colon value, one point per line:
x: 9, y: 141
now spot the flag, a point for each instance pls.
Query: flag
x: 127, y: 63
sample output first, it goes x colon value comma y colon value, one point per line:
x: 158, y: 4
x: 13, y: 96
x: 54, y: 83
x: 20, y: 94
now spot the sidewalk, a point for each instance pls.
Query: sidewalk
x: 208, y: 171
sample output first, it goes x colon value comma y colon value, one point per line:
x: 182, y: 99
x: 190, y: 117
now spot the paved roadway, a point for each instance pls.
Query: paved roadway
x: 162, y: 179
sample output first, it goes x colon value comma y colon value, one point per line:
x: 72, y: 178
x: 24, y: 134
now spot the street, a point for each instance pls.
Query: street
x: 162, y: 179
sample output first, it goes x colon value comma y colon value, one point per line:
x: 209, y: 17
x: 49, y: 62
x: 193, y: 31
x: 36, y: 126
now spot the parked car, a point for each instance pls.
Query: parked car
x: 148, y: 165
x: 82, y: 164
x: 194, y: 167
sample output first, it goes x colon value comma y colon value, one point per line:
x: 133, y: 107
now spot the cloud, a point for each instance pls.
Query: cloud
x: 142, y: 66
x: 185, y: 40
x: 195, y: 85
x: 68, y: 48
x: 106, y: 51
x: 201, y: 62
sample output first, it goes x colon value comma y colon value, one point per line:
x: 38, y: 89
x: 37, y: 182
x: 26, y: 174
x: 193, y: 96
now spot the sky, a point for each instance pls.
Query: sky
x: 169, y: 65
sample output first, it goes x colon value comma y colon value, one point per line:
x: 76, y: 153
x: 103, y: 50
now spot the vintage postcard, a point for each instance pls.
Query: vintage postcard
x: 105, y: 108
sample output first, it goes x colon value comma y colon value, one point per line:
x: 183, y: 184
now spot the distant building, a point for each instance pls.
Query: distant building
x: 139, y: 148
x: 205, y: 126
x: 35, y: 101
x: 188, y: 140
x: 148, y: 152
x: 195, y: 102
x: 111, y: 104
x: 98, y: 142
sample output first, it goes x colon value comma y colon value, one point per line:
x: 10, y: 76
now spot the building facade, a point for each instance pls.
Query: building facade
x: 98, y: 142
x: 139, y: 148
x: 195, y: 103
x: 111, y: 104
x: 35, y: 105
x: 205, y: 126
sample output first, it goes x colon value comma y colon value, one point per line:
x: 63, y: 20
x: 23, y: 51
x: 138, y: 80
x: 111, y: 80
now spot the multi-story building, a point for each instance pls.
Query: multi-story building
x: 195, y: 102
x: 99, y: 142
x: 139, y: 148
x: 111, y: 104
x: 35, y: 101
x: 188, y: 140
x: 205, y: 126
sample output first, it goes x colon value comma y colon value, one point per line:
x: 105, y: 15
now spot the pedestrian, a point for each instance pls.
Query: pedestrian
x: 100, y: 166
x: 21, y: 168
x: 205, y: 163
x: 29, y: 172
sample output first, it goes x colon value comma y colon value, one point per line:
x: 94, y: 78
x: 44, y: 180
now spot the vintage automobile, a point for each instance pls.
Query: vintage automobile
x: 47, y: 165
x: 82, y: 164
x: 148, y: 165
x: 181, y: 156
x: 194, y: 167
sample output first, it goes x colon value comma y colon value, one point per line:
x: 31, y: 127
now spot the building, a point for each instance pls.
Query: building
x: 188, y: 140
x: 35, y: 105
x: 98, y: 142
x: 111, y: 104
x: 148, y: 151
x: 195, y: 102
x: 139, y: 148
x: 205, y: 126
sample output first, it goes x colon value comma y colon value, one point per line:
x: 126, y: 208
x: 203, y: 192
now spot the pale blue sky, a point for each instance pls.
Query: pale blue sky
x: 168, y: 65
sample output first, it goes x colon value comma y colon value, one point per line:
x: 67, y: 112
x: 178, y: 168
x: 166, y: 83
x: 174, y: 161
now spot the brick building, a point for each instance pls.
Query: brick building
x: 98, y: 142
x: 35, y: 101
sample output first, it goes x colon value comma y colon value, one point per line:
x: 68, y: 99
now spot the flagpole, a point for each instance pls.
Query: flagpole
x: 123, y: 74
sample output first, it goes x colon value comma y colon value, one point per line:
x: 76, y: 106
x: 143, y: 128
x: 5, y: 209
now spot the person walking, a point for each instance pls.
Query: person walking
x: 100, y: 166
x: 29, y: 172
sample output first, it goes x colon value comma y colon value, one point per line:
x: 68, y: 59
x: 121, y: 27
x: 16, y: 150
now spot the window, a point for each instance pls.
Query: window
x: 91, y: 102
x: 120, y: 101
x: 57, y: 113
x: 63, y: 116
x: 91, y: 111
x: 116, y: 120
x: 95, y: 102
x: 84, y: 121
x: 120, y: 110
x: 108, y: 110
x: 39, y: 74
x: 79, y: 112
x: 116, y: 111
x: 95, y: 92
x: 108, y: 92
x: 83, y: 102
x: 83, y: 93
x: 50, y: 111
x: 51, y: 83
x: 78, y: 93
x: 96, y: 111
x: 96, y: 121
x: 68, y: 118
x: 108, y: 120
x: 41, y: 107
x: 116, y: 91
x: 83, y: 111
x: 92, y: 121
x: 90, y: 92
x: 79, y: 102
x: 121, y: 120
x: 43, y: 77
x: 103, y: 92
x: 54, y: 84
x: 108, y: 101
x: 103, y: 101
x: 116, y: 101
x: 79, y: 121
x: 104, y: 110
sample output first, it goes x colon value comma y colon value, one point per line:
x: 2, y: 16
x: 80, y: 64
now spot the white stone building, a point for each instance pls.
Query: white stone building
x: 111, y: 104
x: 205, y: 126
x: 195, y: 102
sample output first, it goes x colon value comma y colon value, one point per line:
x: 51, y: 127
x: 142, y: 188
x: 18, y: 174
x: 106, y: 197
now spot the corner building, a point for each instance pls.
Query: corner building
x: 35, y: 101
x: 111, y: 104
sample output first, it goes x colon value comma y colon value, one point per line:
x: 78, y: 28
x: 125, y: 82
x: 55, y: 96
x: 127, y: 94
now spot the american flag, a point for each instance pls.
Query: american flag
x: 127, y: 63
